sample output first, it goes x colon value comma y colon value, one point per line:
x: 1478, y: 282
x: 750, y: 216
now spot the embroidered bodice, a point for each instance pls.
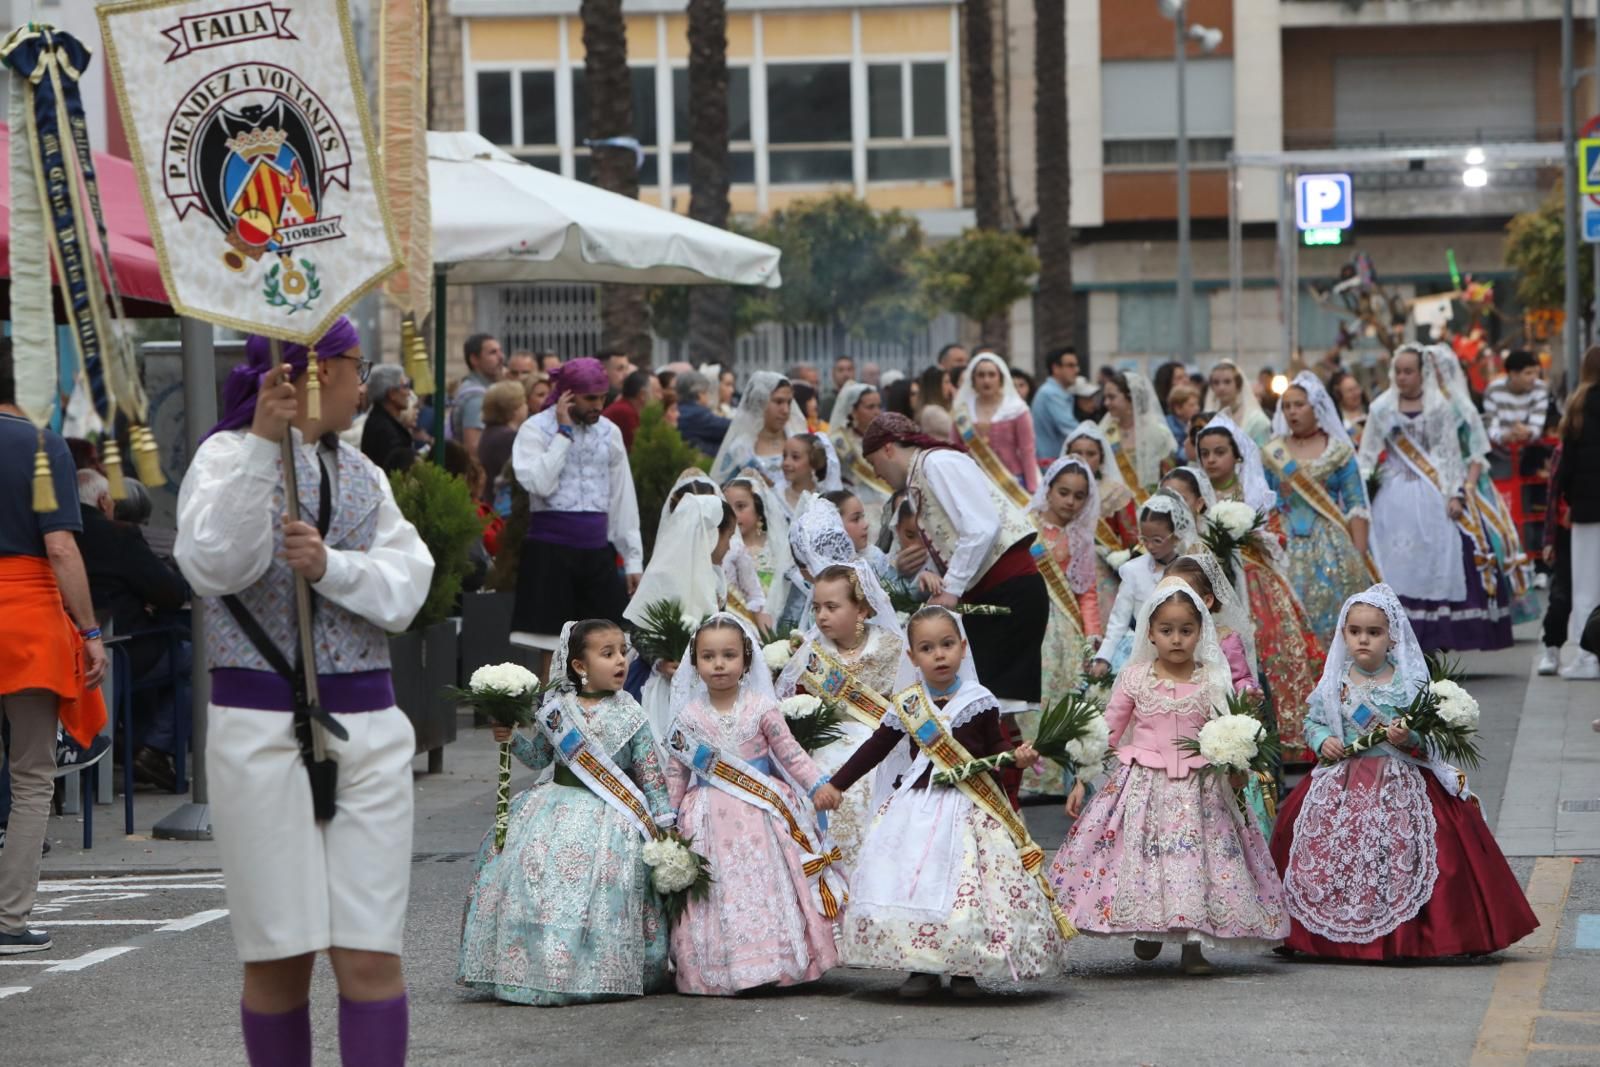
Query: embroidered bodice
x: 1156, y: 713
x: 617, y: 724
x: 874, y: 662
x: 1339, y: 474
x: 586, y: 475
x: 753, y: 731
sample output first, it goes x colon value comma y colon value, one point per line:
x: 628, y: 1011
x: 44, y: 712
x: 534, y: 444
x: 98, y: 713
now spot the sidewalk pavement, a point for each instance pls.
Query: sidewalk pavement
x: 453, y: 810
x: 1552, y: 796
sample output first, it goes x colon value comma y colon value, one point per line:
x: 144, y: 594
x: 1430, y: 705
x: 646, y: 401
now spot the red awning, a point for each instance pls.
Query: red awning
x: 138, y: 272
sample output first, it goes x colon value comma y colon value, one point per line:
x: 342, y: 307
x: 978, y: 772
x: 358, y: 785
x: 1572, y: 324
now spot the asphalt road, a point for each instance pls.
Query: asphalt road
x: 158, y: 985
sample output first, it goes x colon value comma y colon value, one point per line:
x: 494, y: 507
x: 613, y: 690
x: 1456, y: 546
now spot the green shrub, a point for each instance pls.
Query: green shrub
x: 438, y: 504
x: 659, y: 455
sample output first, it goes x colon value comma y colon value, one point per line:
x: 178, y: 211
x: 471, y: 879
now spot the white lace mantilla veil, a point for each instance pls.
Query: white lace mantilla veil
x: 1080, y: 531
x: 1233, y: 608
x: 883, y: 617
x: 1411, y: 669
x: 1208, y: 492
x: 1011, y: 402
x: 739, y: 443
x: 1453, y: 384
x: 1329, y: 421
x: 685, y: 479
x: 681, y: 567
x: 844, y: 405
x: 1252, y: 476
x: 1170, y: 504
x: 778, y: 553
x: 1436, y: 429
x: 756, y: 683
x: 832, y: 479
x: 971, y: 698
x: 1246, y: 406
x: 1110, y: 483
x: 1153, y: 442
x: 1207, y: 654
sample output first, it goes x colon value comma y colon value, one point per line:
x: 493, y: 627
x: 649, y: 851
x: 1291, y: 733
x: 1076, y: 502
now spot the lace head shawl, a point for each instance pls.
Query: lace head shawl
x: 1329, y: 421
x: 1079, y: 533
x: 778, y: 555
x: 739, y: 444
x: 1153, y: 442
x: 1208, y: 655
x: 882, y: 616
x: 1436, y: 428
x: 1245, y: 407
x: 831, y: 480
x: 1207, y: 491
x: 839, y: 419
x: 1011, y: 402
x: 680, y: 568
x: 1233, y: 605
x: 686, y: 478
x: 688, y: 686
x: 1184, y: 530
x: 970, y: 694
x: 1252, y: 477
x: 1109, y: 477
x: 1453, y: 384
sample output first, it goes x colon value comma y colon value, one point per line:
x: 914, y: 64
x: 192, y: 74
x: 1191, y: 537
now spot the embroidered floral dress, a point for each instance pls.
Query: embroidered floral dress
x: 1163, y: 852
x: 941, y: 888
x: 1379, y: 859
x: 1324, y: 568
x: 1287, y: 648
x: 564, y: 914
x: 758, y: 924
x: 1064, y: 655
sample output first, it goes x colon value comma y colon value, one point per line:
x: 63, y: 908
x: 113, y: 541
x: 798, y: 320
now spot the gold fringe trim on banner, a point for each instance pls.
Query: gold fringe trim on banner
x: 44, y: 486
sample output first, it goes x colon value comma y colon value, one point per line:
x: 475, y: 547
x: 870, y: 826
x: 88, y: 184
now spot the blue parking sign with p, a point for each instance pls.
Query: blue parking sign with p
x: 1324, y: 201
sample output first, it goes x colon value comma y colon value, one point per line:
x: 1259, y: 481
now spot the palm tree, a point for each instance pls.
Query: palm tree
x: 623, y: 314
x: 1056, y: 307
x: 987, y: 191
x: 710, y: 306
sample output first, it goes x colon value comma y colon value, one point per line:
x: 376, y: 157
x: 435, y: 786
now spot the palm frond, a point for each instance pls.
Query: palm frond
x: 664, y: 633
x: 819, y: 729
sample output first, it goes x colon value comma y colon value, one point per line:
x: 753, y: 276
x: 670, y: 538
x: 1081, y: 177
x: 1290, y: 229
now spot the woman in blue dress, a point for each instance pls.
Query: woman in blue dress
x: 565, y: 913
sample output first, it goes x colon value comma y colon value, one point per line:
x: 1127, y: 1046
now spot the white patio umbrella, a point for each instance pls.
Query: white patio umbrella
x: 498, y: 220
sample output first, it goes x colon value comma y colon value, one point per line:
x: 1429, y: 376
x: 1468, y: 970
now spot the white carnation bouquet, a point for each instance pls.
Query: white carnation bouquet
x: 1238, y: 741
x: 777, y: 654
x: 1443, y: 715
x: 1229, y: 527
x: 1072, y: 734
x: 812, y: 721
x: 677, y: 872
x: 505, y: 694
x: 1116, y: 559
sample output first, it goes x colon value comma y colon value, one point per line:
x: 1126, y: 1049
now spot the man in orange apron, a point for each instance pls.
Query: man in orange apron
x: 51, y: 657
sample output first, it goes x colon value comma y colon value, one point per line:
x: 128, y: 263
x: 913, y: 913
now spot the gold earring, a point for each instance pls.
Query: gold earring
x: 861, y: 629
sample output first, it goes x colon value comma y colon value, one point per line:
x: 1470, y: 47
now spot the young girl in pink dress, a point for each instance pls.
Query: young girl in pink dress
x: 1163, y: 853
x: 741, y: 785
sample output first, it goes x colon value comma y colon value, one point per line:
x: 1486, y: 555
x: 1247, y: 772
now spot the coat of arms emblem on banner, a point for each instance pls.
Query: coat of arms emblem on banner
x: 251, y: 140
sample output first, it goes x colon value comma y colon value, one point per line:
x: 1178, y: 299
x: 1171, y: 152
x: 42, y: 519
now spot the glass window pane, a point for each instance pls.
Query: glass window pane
x: 883, y: 101
x: 494, y: 106
x: 738, y: 104
x: 538, y: 107
x: 927, y: 100
x: 808, y: 166
x: 580, y: 108
x: 808, y: 102
x: 908, y: 164
x: 741, y: 167
x: 550, y: 161
x: 644, y: 104
x: 1147, y: 323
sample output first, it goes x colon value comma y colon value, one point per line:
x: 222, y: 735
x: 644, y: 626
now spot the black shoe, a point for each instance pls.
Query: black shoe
x: 155, y: 768
x: 27, y: 941
x: 70, y: 756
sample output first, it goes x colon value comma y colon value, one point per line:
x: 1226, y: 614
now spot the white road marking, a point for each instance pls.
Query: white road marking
x: 104, y: 922
x: 26, y: 963
x: 89, y: 959
x: 13, y: 990
x: 199, y: 918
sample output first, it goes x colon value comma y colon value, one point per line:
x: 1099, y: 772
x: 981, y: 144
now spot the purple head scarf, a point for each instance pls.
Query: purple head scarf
x: 239, y: 392
x: 582, y: 376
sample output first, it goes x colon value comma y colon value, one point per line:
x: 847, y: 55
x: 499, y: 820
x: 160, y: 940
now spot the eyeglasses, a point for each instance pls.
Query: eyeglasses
x: 363, y: 366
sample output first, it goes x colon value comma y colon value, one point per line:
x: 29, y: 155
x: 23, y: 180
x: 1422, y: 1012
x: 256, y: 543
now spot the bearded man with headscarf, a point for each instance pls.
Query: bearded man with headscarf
x: 979, y: 541
x: 582, y: 511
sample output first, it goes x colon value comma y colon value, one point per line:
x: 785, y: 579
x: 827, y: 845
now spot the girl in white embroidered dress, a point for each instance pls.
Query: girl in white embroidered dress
x: 1163, y: 853
x: 1385, y: 855
x: 940, y: 888
x: 758, y: 924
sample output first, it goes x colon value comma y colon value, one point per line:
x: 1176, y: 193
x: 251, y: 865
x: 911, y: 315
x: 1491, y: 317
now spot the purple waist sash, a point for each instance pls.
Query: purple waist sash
x: 573, y: 529
x: 239, y: 687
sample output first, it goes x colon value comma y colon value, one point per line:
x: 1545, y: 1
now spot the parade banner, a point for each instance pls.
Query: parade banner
x: 250, y: 135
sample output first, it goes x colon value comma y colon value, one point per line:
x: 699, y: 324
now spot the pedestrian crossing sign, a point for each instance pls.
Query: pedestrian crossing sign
x: 1589, y: 165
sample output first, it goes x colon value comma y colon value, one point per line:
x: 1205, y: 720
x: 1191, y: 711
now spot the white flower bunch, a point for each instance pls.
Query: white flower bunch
x: 1230, y: 741
x: 508, y: 679
x: 1116, y: 559
x: 672, y: 866
x: 1233, y: 516
x: 777, y: 655
x: 902, y: 617
x: 1456, y: 706
x: 801, y: 706
x: 1089, y: 751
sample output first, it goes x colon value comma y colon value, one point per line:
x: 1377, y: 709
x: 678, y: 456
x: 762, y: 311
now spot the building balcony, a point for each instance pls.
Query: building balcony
x: 1297, y: 14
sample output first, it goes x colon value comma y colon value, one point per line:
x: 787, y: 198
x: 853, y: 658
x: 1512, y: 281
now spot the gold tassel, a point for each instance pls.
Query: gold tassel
x: 313, y: 386
x: 146, y: 456
x: 111, y: 459
x: 44, y: 486
x: 416, y: 357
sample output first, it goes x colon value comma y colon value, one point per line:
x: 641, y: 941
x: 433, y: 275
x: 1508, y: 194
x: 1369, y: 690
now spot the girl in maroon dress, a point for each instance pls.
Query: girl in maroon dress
x: 1385, y: 855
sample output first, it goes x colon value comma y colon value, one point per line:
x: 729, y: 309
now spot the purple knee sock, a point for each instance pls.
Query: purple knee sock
x: 372, y: 1033
x: 280, y: 1040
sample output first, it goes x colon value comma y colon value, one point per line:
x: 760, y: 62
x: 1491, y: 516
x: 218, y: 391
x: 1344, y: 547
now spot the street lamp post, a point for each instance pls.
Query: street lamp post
x: 1209, y: 39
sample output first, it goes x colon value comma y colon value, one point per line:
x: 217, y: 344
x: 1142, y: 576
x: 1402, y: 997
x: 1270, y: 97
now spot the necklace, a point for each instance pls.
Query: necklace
x: 940, y: 694
x: 596, y: 695
x: 1223, y: 487
x: 1359, y: 669
x: 1308, y: 436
